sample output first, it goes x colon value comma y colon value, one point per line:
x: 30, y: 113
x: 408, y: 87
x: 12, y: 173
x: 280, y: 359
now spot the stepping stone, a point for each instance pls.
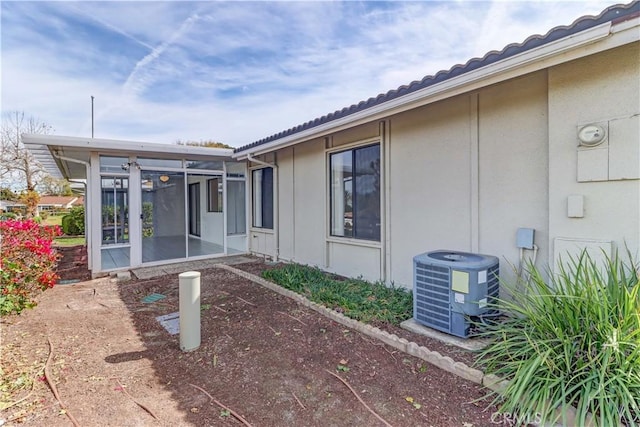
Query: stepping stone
x: 171, y: 322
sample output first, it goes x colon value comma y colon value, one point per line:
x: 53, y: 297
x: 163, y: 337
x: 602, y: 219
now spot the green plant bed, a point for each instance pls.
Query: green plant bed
x: 574, y: 342
x: 355, y: 298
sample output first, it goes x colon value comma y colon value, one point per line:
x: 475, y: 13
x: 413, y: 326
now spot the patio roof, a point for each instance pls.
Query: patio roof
x: 66, y: 156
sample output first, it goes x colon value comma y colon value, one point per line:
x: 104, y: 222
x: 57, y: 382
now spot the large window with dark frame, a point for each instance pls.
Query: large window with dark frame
x: 262, y: 184
x: 355, y: 193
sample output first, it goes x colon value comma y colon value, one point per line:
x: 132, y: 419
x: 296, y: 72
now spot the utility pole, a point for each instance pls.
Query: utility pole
x: 91, y: 116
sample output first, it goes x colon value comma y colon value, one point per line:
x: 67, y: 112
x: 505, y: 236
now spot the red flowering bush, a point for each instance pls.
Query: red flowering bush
x: 27, y: 264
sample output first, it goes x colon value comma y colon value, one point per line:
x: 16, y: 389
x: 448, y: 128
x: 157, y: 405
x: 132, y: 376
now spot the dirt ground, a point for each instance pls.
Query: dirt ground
x: 262, y: 357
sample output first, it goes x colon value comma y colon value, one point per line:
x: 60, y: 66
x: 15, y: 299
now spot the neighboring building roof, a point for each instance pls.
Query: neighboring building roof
x: 57, y: 200
x: 611, y: 14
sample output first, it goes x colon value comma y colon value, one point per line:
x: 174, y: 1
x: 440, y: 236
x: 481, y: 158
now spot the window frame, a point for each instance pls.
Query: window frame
x: 269, y: 223
x: 352, y: 149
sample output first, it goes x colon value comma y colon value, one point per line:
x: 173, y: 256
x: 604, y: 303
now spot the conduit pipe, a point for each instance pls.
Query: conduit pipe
x: 276, y: 203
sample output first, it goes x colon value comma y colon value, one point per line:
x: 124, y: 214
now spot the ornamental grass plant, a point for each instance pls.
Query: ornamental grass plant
x: 355, y: 298
x: 570, y: 341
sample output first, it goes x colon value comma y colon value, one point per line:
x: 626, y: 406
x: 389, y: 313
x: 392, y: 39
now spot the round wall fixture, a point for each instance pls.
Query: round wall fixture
x: 591, y: 135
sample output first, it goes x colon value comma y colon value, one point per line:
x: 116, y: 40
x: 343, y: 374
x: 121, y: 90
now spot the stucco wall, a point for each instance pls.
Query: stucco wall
x: 513, y: 168
x: 467, y: 172
x: 429, y: 178
x: 594, y: 89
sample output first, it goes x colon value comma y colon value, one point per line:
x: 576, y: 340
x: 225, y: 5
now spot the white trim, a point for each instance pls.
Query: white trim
x: 120, y: 146
x: 588, y: 42
x: 354, y: 242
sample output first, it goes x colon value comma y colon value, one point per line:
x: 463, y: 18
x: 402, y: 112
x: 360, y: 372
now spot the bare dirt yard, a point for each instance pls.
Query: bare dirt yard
x: 263, y: 357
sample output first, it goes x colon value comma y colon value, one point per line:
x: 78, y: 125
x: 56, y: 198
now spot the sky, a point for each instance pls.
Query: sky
x: 236, y: 72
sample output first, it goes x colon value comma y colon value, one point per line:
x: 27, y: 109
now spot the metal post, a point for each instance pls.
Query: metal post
x: 91, y: 116
x: 189, y: 295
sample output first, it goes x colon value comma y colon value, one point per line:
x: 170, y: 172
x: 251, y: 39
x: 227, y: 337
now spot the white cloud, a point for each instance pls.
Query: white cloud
x: 235, y: 71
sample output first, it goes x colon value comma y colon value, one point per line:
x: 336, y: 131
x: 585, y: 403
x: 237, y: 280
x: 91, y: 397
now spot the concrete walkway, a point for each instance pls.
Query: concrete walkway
x: 181, y: 267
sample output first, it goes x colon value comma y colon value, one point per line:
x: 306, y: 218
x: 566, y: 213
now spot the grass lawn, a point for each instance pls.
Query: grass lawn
x: 63, y: 240
x: 53, y: 220
x: 69, y: 241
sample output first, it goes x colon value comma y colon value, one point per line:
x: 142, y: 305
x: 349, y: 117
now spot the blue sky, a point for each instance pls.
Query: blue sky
x: 239, y: 71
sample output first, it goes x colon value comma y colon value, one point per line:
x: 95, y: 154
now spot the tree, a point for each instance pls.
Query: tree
x: 30, y: 200
x: 16, y: 162
x: 7, y: 194
x: 208, y: 143
x: 54, y: 186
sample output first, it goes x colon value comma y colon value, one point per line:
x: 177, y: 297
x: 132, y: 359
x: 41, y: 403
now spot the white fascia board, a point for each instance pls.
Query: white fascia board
x: 600, y: 38
x: 114, y: 145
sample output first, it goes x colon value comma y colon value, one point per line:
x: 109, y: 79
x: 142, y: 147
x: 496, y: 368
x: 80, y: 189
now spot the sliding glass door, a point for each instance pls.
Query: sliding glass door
x: 163, y: 215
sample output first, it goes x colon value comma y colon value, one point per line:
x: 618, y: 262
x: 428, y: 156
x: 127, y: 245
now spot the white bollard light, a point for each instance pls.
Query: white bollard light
x: 189, y: 310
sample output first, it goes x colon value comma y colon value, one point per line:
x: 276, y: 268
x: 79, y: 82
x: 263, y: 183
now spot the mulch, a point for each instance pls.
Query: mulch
x: 262, y: 357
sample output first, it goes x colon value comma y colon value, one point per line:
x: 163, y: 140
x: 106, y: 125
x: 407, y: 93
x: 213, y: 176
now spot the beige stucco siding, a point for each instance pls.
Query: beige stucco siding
x: 429, y: 180
x: 604, y: 88
x: 513, y: 167
x: 286, y: 200
x: 309, y: 202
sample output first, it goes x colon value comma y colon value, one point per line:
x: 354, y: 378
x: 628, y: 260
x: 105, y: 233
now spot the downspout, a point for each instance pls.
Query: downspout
x: 276, y: 204
x: 87, y: 212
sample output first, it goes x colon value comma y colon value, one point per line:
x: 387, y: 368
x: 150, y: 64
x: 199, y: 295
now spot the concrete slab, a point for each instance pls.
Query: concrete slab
x: 181, y: 267
x: 471, y: 344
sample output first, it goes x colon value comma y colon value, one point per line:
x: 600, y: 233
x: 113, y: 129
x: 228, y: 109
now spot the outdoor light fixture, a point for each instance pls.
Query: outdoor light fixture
x: 126, y: 166
x: 164, y: 178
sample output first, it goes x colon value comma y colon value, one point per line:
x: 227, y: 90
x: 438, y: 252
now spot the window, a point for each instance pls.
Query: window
x: 262, y: 183
x: 355, y: 193
x: 214, y: 195
x: 236, y: 222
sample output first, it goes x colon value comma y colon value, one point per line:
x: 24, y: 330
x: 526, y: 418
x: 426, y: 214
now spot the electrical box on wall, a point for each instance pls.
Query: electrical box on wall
x: 575, y: 206
x: 524, y: 238
x: 609, y: 150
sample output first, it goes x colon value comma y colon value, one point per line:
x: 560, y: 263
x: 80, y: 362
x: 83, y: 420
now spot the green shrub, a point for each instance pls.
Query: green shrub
x: 73, y: 222
x: 573, y: 342
x: 44, y: 214
x: 67, y: 225
x: 8, y: 215
x: 355, y: 298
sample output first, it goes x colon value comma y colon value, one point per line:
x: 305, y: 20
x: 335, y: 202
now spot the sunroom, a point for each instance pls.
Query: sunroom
x: 150, y: 204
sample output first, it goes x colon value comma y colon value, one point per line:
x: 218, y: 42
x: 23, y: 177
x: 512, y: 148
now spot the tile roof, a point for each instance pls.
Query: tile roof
x: 610, y: 14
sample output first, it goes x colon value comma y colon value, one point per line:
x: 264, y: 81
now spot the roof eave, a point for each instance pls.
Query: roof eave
x: 599, y: 38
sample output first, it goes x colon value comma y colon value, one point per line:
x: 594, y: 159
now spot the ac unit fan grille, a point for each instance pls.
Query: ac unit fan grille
x: 432, y: 296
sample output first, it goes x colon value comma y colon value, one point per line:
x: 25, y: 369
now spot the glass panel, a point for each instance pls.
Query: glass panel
x: 163, y: 216
x: 341, y: 194
x: 235, y: 169
x: 115, y: 210
x: 205, y: 164
x: 159, y: 163
x: 194, y: 209
x: 263, y: 198
x: 114, y: 164
x: 209, y: 238
x: 366, y: 203
x: 113, y: 258
x: 214, y: 195
x: 236, y: 210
